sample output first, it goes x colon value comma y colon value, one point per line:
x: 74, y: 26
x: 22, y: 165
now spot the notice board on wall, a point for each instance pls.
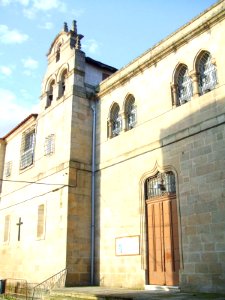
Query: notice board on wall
x: 127, y: 245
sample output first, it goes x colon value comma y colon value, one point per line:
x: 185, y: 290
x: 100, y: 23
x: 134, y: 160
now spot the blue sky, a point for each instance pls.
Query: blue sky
x: 115, y: 32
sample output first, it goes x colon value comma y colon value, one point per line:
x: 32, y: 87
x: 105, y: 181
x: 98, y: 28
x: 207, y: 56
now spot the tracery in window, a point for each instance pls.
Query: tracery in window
x: 50, y: 94
x: 27, y: 148
x: 160, y: 184
x: 184, y: 85
x: 206, y: 73
x: 130, y: 112
x: 115, y: 121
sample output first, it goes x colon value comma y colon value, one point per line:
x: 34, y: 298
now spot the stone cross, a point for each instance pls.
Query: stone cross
x: 19, y: 224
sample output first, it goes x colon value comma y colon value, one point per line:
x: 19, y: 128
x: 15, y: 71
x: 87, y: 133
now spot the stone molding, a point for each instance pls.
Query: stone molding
x: 165, y: 141
x: 197, y: 26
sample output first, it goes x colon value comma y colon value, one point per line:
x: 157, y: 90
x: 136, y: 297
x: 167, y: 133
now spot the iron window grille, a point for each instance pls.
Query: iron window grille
x: 49, y: 146
x: 131, y: 112
x: 27, y: 149
x: 207, y: 74
x: 184, y: 86
x: 161, y: 184
x: 116, y: 121
x: 116, y: 126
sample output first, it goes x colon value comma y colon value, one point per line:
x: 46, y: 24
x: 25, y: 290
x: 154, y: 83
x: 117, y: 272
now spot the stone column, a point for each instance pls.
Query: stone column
x: 124, y: 123
x: 194, y: 77
x: 109, y: 124
x: 174, y: 94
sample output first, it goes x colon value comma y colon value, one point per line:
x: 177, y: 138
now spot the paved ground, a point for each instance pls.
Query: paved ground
x: 114, y: 294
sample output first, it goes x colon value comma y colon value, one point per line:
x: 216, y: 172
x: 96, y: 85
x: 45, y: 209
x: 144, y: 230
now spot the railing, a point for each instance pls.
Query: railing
x: 18, y: 288
x: 44, y: 288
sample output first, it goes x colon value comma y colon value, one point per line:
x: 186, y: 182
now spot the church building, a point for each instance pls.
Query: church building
x: 120, y: 179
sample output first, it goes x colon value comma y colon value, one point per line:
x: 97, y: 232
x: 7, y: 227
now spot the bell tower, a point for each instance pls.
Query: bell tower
x: 65, y: 122
x: 66, y: 113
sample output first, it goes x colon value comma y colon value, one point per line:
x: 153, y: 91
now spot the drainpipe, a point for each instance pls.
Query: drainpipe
x: 93, y: 107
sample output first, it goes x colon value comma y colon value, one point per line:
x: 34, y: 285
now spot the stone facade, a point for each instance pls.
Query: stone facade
x: 160, y: 148
x: 51, y: 193
x: 186, y: 139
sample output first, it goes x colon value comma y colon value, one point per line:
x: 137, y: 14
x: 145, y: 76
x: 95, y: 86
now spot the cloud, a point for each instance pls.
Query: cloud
x: 47, y: 26
x: 8, y: 2
x: 30, y: 63
x: 46, y: 5
x: 43, y: 6
x: 6, y: 71
x: 13, y: 36
x: 12, y: 113
x: 5, y: 2
x: 91, y: 46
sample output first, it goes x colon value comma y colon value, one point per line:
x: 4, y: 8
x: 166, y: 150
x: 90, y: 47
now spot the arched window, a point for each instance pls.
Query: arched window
x: 130, y: 112
x: 115, y: 121
x: 160, y: 184
x: 207, y: 73
x: 62, y: 84
x: 50, y: 94
x: 184, y: 85
x: 58, y: 52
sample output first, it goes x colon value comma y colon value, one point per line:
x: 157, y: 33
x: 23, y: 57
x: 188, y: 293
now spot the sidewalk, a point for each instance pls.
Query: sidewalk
x: 103, y: 293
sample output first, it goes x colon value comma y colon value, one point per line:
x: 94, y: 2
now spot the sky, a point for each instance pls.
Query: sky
x: 115, y: 32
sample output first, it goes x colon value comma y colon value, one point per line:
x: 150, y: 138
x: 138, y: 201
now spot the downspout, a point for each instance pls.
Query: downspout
x: 93, y: 107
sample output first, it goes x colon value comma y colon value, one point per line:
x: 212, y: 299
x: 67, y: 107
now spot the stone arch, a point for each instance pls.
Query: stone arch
x: 129, y: 111
x: 205, y: 70
x: 63, y: 68
x: 198, y: 56
x: 114, y: 122
x: 143, y: 211
x: 48, y: 82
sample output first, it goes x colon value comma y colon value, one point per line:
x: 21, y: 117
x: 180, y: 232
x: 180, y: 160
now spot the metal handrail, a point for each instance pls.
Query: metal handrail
x: 43, y: 288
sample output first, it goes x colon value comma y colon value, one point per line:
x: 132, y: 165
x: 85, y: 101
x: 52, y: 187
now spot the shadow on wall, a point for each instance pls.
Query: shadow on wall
x: 194, y: 149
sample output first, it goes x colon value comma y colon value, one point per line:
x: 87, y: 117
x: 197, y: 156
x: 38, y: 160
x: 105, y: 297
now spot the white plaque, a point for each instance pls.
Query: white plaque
x: 128, y: 245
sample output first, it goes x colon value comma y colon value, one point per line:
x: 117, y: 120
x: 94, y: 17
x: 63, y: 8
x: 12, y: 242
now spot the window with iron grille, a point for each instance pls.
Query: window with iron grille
x: 6, y: 228
x: 207, y: 73
x: 8, y: 168
x: 184, y: 86
x: 27, y: 149
x: 131, y: 112
x: 160, y: 184
x: 116, y: 121
x: 49, y: 147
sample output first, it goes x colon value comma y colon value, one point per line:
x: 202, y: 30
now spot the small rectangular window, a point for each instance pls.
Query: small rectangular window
x: 8, y: 168
x: 49, y: 146
x: 6, y: 228
x: 41, y: 221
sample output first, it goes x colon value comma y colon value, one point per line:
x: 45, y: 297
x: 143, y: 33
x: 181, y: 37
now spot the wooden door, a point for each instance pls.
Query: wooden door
x: 163, y: 243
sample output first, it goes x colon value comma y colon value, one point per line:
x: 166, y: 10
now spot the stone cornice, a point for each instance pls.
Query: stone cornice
x: 170, y: 44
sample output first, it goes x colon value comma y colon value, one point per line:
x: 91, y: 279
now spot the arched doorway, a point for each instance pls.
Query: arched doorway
x: 162, y: 228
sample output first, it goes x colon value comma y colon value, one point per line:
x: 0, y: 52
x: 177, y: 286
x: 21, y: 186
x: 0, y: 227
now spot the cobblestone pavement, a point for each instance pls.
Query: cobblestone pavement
x: 109, y: 293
